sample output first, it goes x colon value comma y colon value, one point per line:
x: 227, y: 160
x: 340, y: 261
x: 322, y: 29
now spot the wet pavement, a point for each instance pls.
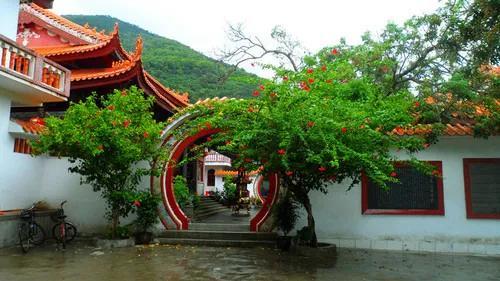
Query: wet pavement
x: 165, y: 262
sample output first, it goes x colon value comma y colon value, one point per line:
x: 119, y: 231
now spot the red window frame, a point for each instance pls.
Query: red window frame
x: 468, y: 189
x: 365, y: 210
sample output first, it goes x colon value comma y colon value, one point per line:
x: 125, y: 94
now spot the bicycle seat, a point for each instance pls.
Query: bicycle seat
x: 25, y: 214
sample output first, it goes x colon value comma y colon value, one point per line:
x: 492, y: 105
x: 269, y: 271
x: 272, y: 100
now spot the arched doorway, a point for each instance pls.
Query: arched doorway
x: 163, y: 184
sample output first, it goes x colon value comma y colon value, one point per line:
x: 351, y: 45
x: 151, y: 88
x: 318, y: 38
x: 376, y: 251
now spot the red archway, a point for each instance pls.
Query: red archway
x: 167, y: 191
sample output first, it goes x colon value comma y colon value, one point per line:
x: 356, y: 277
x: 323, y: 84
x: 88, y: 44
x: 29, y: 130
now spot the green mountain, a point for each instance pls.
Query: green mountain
x: 176, y: 65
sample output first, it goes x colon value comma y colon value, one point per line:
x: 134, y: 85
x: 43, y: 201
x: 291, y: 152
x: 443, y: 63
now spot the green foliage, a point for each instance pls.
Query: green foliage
x: 176, y: 65
x: 195, y: 200
x: 181, y: 191
x: 286, y: 212
x: 146, y: 208
x: 229, y: 192
x: 106, y: 140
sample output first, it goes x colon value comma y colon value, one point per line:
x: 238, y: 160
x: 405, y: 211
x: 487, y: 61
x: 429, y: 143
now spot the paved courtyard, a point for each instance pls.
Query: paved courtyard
x: 165, y: 262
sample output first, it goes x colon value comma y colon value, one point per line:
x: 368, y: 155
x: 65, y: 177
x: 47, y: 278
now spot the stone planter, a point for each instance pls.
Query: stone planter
x: 114, y: 243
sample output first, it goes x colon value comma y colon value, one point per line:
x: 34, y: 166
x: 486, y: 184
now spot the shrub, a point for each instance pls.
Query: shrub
x: 181, y: 191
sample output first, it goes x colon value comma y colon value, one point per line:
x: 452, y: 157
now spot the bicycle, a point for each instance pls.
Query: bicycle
x: 63, y: 231
x: 30, y: 232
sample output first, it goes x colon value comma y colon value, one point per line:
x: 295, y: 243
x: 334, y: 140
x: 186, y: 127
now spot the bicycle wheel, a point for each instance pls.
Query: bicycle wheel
x: 37, y: 234
x: 69, y: 232
x: 24, y: 237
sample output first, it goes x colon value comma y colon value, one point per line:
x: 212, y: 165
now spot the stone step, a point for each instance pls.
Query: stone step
x: 218, y: 243
x: 202, y: 209
x: 219, y: 227
x: 198, y: 216
x: 210, y: 205
x: 219, y: 235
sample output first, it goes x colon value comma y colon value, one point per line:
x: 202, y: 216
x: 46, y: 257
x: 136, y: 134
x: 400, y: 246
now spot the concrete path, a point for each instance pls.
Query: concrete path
x: 86, y: 263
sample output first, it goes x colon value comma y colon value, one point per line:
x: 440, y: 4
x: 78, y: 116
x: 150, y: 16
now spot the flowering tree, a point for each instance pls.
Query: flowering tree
x: 319, y: 125
x: 105, y: 140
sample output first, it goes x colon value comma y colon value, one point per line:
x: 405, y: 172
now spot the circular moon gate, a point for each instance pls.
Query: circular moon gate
x: 164, y: 183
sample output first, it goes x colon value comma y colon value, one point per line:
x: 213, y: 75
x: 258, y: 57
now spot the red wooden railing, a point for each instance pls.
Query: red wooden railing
x: 32, y: 67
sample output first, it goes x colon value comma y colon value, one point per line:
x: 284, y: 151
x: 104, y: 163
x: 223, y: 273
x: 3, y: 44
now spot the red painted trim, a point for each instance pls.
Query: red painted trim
x: 468, y: 189
x: 365, y: 210
x: 179, y: 218
x: 259, y: 183
x: 264, y: 213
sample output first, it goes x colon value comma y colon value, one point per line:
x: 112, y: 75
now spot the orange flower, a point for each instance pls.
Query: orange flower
x: 393, y: 174
x: 255, y: 93
x: 323, y: 67
x: 416, y: 104
x: 400, y: 131
x: 329, y: 81
x: 111, y: 107
x: 262, y: 88
x: 273, y: 95
x: 124, y: 93
x: 137, y: 203
x: 344, y: 130
x: 310, y: 124
x: 100, y: 147
x: 126, y: 123
x: 285, y: 78
x: 335, y: 52
x: 310, y: 80
x: 289, y: 173
x: 310, y: 70
x: 146, y: 135
x: 281, y: 151
x: 322, y: 169
x: 208, y: 125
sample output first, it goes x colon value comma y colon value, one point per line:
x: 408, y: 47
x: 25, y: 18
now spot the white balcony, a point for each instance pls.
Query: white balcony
x: 216, y: 159
x: 30, y: 79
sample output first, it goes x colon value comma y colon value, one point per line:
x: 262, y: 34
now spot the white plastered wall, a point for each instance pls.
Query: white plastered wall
x: 339, y: 219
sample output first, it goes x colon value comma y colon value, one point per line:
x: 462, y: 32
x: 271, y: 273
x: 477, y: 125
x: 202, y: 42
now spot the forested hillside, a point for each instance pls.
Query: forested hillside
x: 176, y: 65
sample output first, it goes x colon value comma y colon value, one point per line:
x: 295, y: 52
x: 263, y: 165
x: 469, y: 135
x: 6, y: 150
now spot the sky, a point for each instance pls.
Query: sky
x: 202, y: 24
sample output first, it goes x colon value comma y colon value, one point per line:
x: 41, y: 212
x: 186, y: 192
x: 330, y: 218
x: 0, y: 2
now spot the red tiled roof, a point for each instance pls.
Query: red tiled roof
x: 52, y: 51
x: 33, y: 126
x: 458, y: 129
x: 69, y: 24
x: 117, y: 68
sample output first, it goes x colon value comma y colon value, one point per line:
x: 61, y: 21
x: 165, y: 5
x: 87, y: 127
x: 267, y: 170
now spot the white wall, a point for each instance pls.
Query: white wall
x: 9, y: 10
x: 20, y: 174
x: 339, y: 219
x: 219, y: 183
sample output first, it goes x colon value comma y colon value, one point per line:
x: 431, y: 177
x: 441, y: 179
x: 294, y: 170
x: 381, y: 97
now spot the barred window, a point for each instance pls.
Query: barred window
x: 415, y: 194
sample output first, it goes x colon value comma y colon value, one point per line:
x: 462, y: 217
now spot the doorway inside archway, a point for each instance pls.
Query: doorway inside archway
x: 217, y: 193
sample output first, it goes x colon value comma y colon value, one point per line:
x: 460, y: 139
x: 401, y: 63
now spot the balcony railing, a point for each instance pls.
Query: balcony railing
x: 29, y: 66
x: 216, y: 157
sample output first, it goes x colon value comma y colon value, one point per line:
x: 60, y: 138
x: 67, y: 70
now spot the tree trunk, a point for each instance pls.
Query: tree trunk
x: 310, y: 222
x: 115, y: 221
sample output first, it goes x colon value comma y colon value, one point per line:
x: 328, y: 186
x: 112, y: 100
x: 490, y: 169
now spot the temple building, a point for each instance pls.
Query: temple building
x: 97, y: 60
